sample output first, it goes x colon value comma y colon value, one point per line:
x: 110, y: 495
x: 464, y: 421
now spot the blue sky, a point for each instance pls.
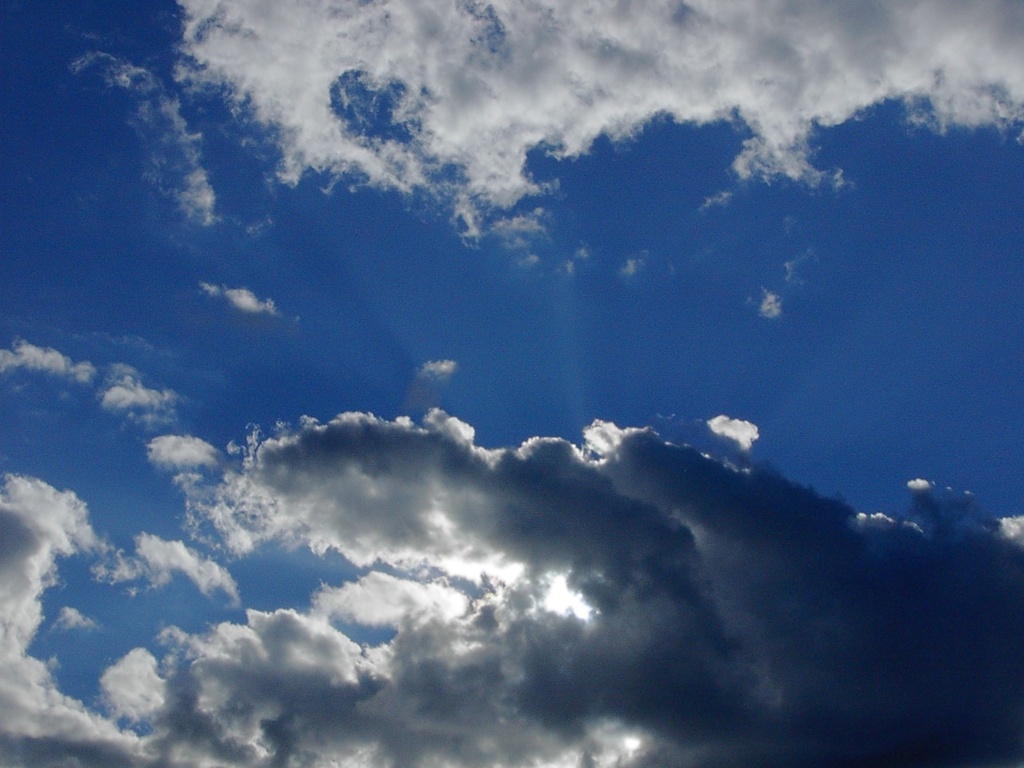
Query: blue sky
x: 645, y: 380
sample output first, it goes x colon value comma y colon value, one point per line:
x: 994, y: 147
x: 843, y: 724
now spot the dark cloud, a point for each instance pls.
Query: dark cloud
x: 733, y: 617
x: 737, y: 616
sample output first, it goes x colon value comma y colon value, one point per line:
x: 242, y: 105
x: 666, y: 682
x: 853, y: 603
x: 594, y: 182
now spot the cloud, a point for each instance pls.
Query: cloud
x: 157, y: 560
x: 720, y: 199
x: 125, y: 393
x: 175, y: 156
x: 382, y: 600
x: 38, y: 724
x: 181, y: 452
x: 72, y: 618
x: 132, y: 687
x: 728, y: 614
x: 632, y: 267
x: 437, y: 369
x: 45, y: 359
x: 452, y: 97
x: 242, y: 299
x: 771, y: 305
x: 919, y: 484
x: 624, y: 602
x: 743, y: 433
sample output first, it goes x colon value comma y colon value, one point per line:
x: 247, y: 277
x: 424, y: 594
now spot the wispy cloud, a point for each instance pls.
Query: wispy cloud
x: 157, y: 560
x: 175, y: 151
x: 72, y: 618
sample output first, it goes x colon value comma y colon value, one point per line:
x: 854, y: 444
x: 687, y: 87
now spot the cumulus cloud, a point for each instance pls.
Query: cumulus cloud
x: 771, y: 305
x: 175, y: 151
x: 177, y: 452
x: 627, y: 600
x: 157, y: 560
x: 46, y: 359
x: 242, y: 299
x: 743, y: 433
x: 125, y: 393
x: 38, y: 724
x: 452, y: 96
x: 132, y: 687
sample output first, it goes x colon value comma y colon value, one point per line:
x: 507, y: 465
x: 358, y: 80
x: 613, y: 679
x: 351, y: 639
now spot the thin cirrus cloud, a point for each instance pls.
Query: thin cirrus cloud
x: 399, y: 93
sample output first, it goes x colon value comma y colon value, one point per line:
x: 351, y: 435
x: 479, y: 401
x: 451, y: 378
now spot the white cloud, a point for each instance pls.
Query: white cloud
x: 132, y: 687
x: 632, y: 267
x: 717, y: 200
x: 564, y: 601
x: 181, y: 452
x: 157, y: 560
x: 771, y: 305
x: 242, y: 299
x: 437, y: 370
x: 381, y: 600
x: 72, y: 618
x: 743, y: 433
x: 400, y: 93
x: 175, y: 156
x: 919, y: 484
x: 47, y: 360
x: 38, y: 525
x: 125, y: 393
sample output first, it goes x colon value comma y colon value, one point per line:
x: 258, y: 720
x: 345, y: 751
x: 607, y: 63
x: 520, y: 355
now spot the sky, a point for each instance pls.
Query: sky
x: 558, y: 384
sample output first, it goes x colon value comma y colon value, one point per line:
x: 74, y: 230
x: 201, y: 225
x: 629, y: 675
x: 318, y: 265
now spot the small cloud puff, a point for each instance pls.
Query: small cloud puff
x: 47, y: 360
x: 437, y: 370
x: 632, y: 267
x: 714, y: 201
x: 125, y: 393
x: 72, y: 618
x: 919, y: 484
x: 242, y: 299
x: 181, y: 452
x: 743, y: 433
x: 771, y: 304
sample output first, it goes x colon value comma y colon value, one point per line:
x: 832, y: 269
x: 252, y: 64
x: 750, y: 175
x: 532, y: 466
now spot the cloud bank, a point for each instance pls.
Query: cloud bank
x: 623, y: 602
x: 451, y: 96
